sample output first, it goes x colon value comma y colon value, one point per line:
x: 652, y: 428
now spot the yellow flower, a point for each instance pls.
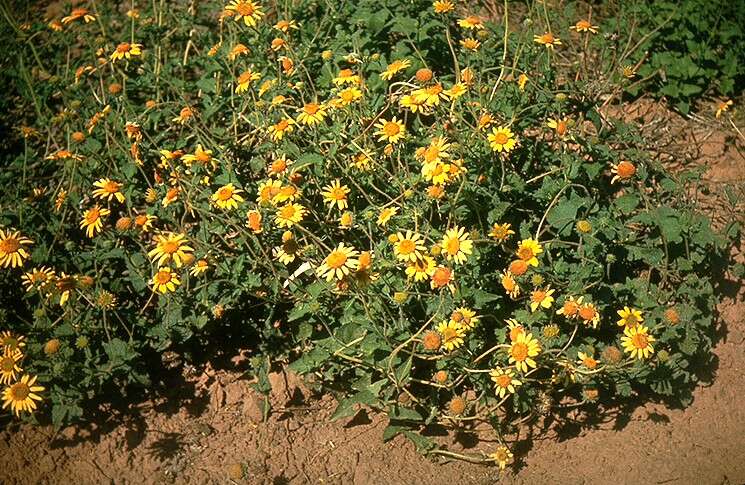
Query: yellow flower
x: 79, y: 13
x: 278, y: 130
x: 237, y: 50
x: 587, y: 360
x: 502, y: 139
x: 409, y: 247
x: 394, y: 68
x: 589, y: 314
x: 443, y: 6
x: 284, y: 26
x: 144, y: 222
x: 268, y: 191
x: 9, y: 365
x: 503, y: 456
x: 21, y: 395
x: 528, y: 250
x: 165, y: 280
x: 253, y: 221
x: 125, y: 50
x: 244, y: 80
x: 637, y: 342
x: 457, y: 245
x: 560, y: 126
x: 584, y: 26
x: 12, y: 252
x: 570, y: 308
x: 288, y: 251
x: 522, y: 351
x: 452, y: 334
x: 278, y: 166
x: 338, y: 263
x: 442, y: 277
x: 170, y: 247
x: 465, y: 317
x: 200, y: 267
x: 311, y: 114
x: 471, y: 22
x: 722, y: 107
x: 622, y: 171
x: 436, y: 151
x: 346, y: 76
x: 501, y: 232
x: 541, y: 298
x: 92, y: 220
x: 390, y: 131
x: 10, y: 342
x: 37, y: 278
x: 548, y: 39
x: 505, y: 381
x: 184, y: 115
x: 413, y: 103
x: 421, y: 269
x: 522, y: 80
x: 509, y: 284
x: 348, y: 96
x: 470, y: 43
x: 227, y: 197
x: 107, y: 188
x: 289, y: 215
x: 286, y: 193
x: 629, y: 317
x: 335, y: 194
x: 247, y: 10
x: 431, y: 95
x: 456, y: 91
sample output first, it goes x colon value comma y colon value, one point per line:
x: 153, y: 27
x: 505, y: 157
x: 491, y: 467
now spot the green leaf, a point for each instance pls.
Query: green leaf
x: 346, y: 406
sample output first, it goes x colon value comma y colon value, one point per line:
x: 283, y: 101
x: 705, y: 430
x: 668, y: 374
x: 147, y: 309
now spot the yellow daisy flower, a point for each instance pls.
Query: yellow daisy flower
x: 413, y: 103
x: 471, y: 22
x: 637, y: 342
x: 92, y: 220
x: 522, y: 351
x: 244, y: 81
x: 502, y: 139
x: 421, y: 269
x: 289, y: 215
x: 470, y: 44
x: 277, y: 131
x: 348, y: 96
x: 456, y: 91
x: 457, y: 245
x: 385, y: 215
x: 9, y: 366
x: 509, y: 284
x: 200, y: 156
x: 584, y: 26
x: 287, y: 253
x: 247, y: 10
x: 541, y: 298
x: 723, y: 107
x: 431, y: 95
x: 79, y: 13
x: 268, y: 190
x: 500, y: 232
x: 505, y: 381
x: 10, y: 342
x: 253, y: 221
x: 443, y: 6
x: 125, y: 50
x: 394, y: 68
x: 165, y: 280
x: 570, y: 308
x: 107, y: 188
x: 409, y: 247
x: 339, y: 263
x: 346, y: 76
x: 629, y: 317
x: 560, y: 126
x: 623, y: 171
x: 12, y: 251
x: 452, y: 335
x: 335, y: 194
x: 21, y: 395
x: 227, y: 197
x: 587, y: 360
x: 311, y: 114
x: 170, y: 247
x: 200, y: 267
x: 503, y: 456
x: 144, y: 222
x: 465, y: 317
x: 589, y: 314
x: 442, y: 277
x: 548, y: 39
x: 390, y: 131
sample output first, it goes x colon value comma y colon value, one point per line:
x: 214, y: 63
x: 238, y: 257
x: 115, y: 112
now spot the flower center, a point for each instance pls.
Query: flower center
x: 587, y: 313
x: 449, y: 334
x: 244, y: 9
x: 525, y: 254
x: 282, y: 125
x: 337, y: 193
x: 583, y: 25
x: 504, y: 381
x: 500, y: 138
x: 19, y: 391
x: 288, y: 212
x: 123, y: 47
x: 519, y: 351
x: 570, y: 309
x: 391, y: 128
x: 452, y: 246
x: 561, y: 128
x: 406, y: 246
x: 92, y: 216
x: 508, y: 283
x: 311, y: 108
x: 7, y: 364
x: 590, y: 363
x: 225, y: 193
x: 163, y: 277
x: 202, y: 156
x: 547, y: 38
x: 640, y: 341
x: 441, y: 277
x: 538, y: 296
x: 631, y: 320
x: 111, y: 187
x: 345, y: 73
x: 10, y: 245
x: 626, y: 169
x: 336, y: 259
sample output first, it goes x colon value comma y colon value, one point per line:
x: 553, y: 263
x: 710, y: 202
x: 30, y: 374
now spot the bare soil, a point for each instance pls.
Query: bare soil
x: 209, y: 429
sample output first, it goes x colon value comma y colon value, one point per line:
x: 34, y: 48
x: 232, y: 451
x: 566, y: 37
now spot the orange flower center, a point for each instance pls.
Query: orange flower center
x: 7, y: 364
x: 587, y: 312
x: 504, y: 381
x: 626, y: 170
x: 245, y: 78
x: 508, y: 283
x: 123, y: 47
x: 449, y: 334
x: 111, y: 187
x: 336, y: 259
x: 538, y: 296
x: 640, y: 341
x: 311, y: 108
x: 441, y: 277
x: 514, y: 332
x: 526, y: 254
x: 347, y: 96
x: 589, y: 362
x: 561, y: 128
x: 10, y: 245
x: 19, y: 391
x: 547, y: 38
x: 345, y: 73
x: 281, y: 126
x: 163, y: 277
x: 519, y: 351
x: 570, y: 308
x: 518, y: 267
x: 245, y: 9
x: 169, y: 247
x: 631, y: 320
x: 254, y: 221
x: 337, y: 193
x: 456, y: 316
x: 391, y: 128
x: 92, y: 215
x: 225, y: 193
x: 501, y: 138
x: 431, y: 153
x: 583, y: 25
x: 288, y: 212
x: 452, y: 246
x: 406, y: 246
